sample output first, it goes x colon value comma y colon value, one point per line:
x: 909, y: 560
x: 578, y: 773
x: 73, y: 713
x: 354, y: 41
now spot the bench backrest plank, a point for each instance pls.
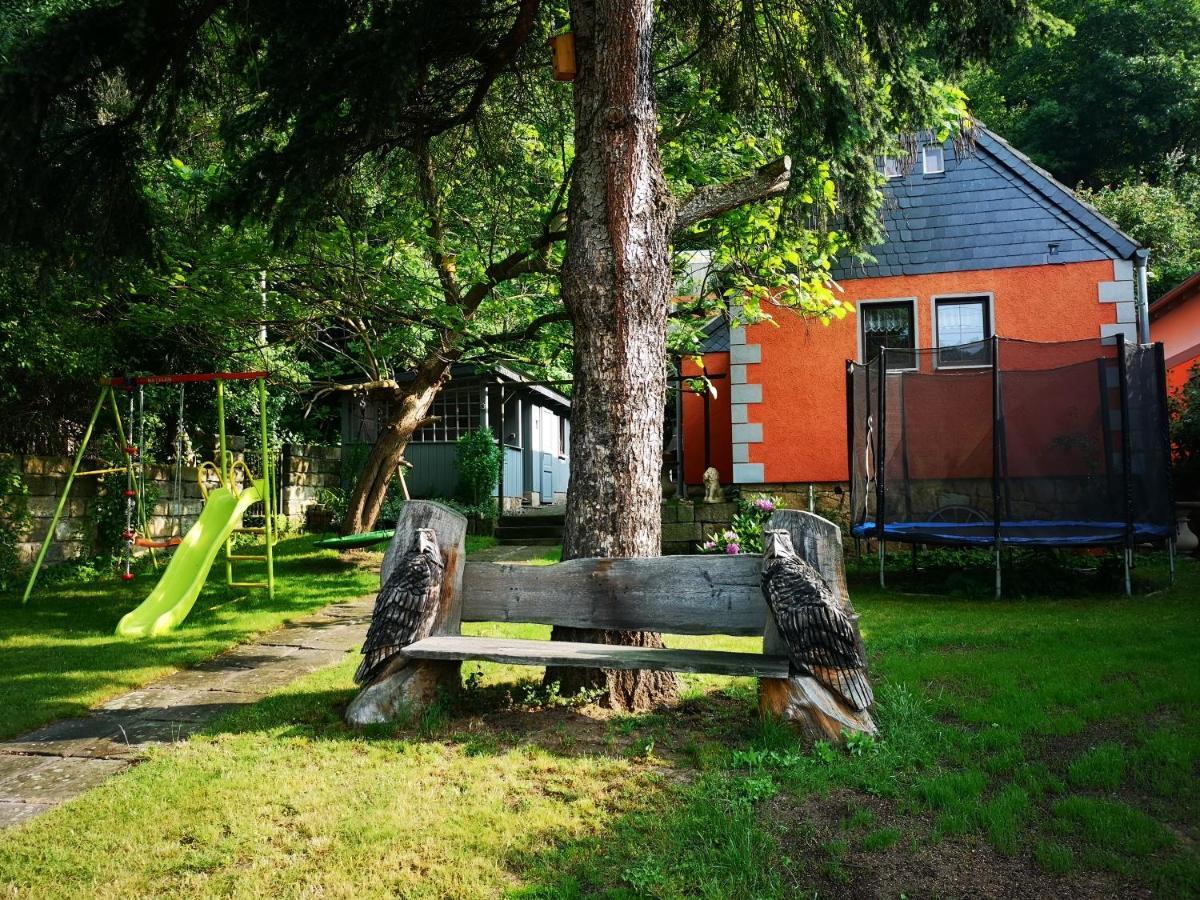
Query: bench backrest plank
x: 672, y: 594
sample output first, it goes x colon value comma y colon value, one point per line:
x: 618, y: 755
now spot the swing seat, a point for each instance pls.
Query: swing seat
x: 162, y: 544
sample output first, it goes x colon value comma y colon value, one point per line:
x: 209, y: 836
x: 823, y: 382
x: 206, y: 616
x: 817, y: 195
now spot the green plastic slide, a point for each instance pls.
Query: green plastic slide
x: 177, y: 590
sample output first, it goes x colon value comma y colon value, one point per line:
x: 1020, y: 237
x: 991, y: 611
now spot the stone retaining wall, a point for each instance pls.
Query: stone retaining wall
x: 304, y: 471
x: 688, y: 523
x: 45, y: 477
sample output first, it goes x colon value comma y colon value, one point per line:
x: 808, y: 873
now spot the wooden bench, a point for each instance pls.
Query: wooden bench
x: 689, y: 595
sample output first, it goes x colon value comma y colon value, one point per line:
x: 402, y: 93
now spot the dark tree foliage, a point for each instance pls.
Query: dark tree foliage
x: 304, y: 91
x: 1108, y: 91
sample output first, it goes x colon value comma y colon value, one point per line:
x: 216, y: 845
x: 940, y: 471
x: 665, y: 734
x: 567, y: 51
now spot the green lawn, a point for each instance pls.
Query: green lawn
x: 59, y: 656
x: 1045, y: 743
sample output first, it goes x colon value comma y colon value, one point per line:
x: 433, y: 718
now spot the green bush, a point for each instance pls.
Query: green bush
x: 478, y: 463
x: 14, y: 520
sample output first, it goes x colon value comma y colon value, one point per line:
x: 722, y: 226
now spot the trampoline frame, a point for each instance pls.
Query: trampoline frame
x: 875, y: 458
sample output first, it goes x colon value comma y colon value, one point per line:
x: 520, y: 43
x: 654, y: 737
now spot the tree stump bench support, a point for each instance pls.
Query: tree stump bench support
x: 670, y: 594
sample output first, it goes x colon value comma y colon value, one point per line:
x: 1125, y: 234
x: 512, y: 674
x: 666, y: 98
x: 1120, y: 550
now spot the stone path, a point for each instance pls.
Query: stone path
x: 61, y: 760
x: 510, y: 553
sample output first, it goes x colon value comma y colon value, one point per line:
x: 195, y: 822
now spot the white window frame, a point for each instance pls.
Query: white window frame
x: 941, y: 159
x: 916, y: 309
x: 899, y: 169
x: 989, y: 296
x: 460, y: 412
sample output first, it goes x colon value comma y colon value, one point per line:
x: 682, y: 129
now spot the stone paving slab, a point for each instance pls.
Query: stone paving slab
x: 334, y: 634
x: 13, y: 765
x: 14, y: 811
x: 511, y: 553
x: 55, y: 779
x: 63, y: 759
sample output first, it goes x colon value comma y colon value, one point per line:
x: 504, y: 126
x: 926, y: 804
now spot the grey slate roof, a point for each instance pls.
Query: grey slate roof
x: 716, y: 336
x: 991, y: 208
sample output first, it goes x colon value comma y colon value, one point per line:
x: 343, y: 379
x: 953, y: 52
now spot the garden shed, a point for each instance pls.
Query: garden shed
x: 531, y: 420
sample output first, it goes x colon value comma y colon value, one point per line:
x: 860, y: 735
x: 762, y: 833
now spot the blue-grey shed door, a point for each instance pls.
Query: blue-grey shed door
x: 547, y: 478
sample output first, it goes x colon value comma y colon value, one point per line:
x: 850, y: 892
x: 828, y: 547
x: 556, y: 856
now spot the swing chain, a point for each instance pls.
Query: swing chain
x: 129, y: 535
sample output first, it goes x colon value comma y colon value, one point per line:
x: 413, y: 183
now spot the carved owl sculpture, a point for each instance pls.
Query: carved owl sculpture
x: 406, y: 606
x: 819, y: 636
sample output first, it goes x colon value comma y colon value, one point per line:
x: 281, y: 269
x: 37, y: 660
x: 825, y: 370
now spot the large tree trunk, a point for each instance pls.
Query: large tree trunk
x: 409, y: 410
x: 616, y: 286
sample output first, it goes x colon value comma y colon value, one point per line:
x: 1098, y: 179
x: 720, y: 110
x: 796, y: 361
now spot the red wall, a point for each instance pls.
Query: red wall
x: 803, y: 370
x: 1178, y: 327
x: 720, y: 430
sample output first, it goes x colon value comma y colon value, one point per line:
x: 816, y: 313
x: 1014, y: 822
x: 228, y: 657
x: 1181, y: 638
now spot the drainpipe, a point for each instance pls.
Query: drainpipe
x: 1141, y: 261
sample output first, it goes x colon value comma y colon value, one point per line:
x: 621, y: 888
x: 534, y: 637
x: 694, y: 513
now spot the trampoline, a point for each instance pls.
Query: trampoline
x: 1012, y: 443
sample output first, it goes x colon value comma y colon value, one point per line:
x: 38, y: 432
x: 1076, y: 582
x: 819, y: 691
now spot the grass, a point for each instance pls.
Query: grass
x: 1048, y: 739
x: 59, y: 656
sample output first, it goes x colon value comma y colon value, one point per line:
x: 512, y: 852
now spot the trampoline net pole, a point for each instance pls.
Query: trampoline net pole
x: 997, y: 425
x: 850, y: 463
x: 1164, y: 437
x: 1126, y: 452
x: 881, y: 466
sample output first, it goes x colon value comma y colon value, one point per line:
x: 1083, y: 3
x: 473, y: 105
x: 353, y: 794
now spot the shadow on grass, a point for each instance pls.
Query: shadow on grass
x: 59, y: 655
x: 675, y: 823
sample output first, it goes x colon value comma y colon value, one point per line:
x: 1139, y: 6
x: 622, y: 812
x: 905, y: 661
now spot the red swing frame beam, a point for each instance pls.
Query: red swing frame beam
x: 123, y: 383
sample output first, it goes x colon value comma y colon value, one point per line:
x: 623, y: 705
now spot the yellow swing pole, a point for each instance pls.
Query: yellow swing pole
x: 268, y: 481
x: 226, y: 472
x: 106, y: 390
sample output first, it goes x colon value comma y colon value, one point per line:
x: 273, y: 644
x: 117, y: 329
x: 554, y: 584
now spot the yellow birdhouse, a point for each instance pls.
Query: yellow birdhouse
x: 562, y: 47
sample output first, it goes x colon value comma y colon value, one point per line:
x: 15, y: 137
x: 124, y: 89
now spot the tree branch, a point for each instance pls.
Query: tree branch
x: 529, y: 332
x: 708, y: 202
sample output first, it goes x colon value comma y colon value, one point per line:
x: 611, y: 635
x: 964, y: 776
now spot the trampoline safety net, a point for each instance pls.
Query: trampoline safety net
x: 1051, y: 444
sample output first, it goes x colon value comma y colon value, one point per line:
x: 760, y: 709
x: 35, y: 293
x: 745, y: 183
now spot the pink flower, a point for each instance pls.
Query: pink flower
x: 710, y: 545
x: 733, y: 549
x: 764, y: 504
x: 729, y: 536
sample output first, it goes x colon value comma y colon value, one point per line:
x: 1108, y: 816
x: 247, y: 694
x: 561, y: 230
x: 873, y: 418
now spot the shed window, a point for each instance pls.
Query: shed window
x: 457, y: 412
x: 934, y: 159
x: 891, y: 324
x: 512, y: 421
x: 892, y: 167
x: 963, y: 331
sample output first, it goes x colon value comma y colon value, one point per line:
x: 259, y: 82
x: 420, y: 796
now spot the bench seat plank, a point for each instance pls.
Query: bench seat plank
x: 705, y: 594
x: 597, y: 656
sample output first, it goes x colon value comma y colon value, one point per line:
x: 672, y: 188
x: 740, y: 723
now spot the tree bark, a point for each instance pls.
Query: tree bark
x: 616, y: 286
x: 408, y: 412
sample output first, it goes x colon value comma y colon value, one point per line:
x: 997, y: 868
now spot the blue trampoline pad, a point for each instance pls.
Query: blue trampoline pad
x: 1050, y: 533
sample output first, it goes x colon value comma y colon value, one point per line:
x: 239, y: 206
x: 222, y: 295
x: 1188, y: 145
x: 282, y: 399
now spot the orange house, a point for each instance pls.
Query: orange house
x: 979, y: 243
x: 1175, y: 321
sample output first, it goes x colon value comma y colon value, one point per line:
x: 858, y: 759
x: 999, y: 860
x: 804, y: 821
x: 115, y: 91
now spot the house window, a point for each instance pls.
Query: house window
x: 562, y: 436
x: 933, y: 159
x: 456, y: 412
x: 963, y: 331
x: 892, y: 167
x: 891, y: 324
x: 512, y: 422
